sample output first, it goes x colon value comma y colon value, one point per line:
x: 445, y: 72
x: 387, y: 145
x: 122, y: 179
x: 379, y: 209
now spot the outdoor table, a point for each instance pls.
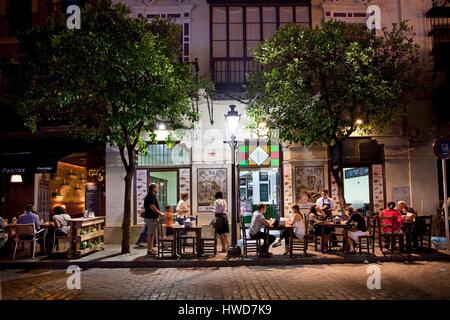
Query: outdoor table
x: 198, y: 235
x: 325, y: 225
x: 281, y: 228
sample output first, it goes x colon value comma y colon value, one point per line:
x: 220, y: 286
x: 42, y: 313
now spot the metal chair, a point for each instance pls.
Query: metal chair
x: 208, y: 244
x: 250, y: 245
x: 57, y: 235
x: 166, y: 244
x: 28, y: 233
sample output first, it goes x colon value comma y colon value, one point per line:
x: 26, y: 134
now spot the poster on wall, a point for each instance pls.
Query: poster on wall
x: 141, y: 192
x: 309, y: 181
x: 185, y: 182
x: 400, y: 194
x: 210, y: 181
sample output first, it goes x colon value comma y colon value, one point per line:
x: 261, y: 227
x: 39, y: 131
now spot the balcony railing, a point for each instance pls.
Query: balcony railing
x: 439, y: 16
x: 231, y: 73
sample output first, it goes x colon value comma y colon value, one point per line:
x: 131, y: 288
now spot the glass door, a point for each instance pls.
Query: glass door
x: 357, y: 188
x: 167, y: 182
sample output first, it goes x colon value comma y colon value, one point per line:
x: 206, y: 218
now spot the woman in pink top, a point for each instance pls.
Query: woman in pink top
x: 397, y: 219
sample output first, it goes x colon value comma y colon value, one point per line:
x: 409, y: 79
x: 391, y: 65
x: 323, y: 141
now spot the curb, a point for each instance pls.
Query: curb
x: 63, y: 264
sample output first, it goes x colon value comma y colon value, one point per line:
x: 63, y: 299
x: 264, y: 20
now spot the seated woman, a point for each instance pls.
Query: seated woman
x: 360, y: 228
x: 61, y: 219
x: 299, y: 224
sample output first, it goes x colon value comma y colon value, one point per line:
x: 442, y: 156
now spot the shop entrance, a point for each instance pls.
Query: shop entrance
x: 260, y: 186
x: 167, y: 181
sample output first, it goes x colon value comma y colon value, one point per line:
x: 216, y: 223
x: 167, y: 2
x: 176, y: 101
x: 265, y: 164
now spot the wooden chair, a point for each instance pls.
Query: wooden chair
x: 387, y: 222
x: 296, y: 244
x: 250, y: 245
x: 166, y: 245
x: 208, y: 244
x: 368, y: 241
x: 189, y: 240
x: 423, y: 223
x: 28, y: 233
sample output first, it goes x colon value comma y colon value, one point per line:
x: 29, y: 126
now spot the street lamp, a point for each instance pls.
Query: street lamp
x: 232, y: 120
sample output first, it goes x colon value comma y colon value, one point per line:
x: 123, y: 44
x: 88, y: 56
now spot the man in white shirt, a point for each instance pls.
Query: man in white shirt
x: 258, y: 221
x: 325, y: 205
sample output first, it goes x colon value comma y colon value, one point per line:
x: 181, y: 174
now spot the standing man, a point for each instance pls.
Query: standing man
x: 325, y: 205
x: 151, y: 216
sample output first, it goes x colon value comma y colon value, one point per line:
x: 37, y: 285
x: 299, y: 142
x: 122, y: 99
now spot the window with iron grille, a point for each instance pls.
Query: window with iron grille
x: 439, y: 16
x: 160, y: 155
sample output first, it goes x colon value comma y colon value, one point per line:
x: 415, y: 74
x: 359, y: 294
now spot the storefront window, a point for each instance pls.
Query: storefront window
x: 160, y: 155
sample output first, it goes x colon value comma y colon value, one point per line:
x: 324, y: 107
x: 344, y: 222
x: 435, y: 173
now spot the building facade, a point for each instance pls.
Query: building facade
x: 395, y: 164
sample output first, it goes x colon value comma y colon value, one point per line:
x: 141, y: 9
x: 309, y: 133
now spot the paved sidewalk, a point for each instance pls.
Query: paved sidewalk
x: 423, y: 280
x: 111, y: 258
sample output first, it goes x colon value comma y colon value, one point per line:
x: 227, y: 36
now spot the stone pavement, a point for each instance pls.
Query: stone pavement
x: 111, y: 258
x: 421, y: 280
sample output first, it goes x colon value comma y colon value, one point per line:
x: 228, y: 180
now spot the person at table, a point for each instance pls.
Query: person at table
x: 151, y: 217
x: 168, y: 216
x: 221, y: 220
x: 325, y: 205
x: 29, y: 217
x: 418, y: 228
x: 406, y: 210
x: 299, y: 224
x: 61, y: 220
x: 259, y: 221
x: 313, y: 217
x: 183, y: 209
x: 396, y: 221
x: 359, y: 230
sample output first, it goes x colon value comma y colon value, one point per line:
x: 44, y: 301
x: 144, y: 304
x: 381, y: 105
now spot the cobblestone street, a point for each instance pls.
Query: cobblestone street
x: 422, y: 280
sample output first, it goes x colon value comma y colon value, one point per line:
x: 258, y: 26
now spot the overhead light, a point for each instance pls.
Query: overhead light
x: 15, y: 178
x: 359, y: 122
x: 161, y: 126
x: 262, y: 125
x: 232, y: 120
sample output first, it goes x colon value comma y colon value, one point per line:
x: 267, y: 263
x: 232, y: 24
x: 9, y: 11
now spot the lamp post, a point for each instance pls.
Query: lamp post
x: 232, y: 119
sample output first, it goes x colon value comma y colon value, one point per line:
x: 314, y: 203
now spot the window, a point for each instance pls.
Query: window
x: 182, y: 19
x: 237, y: 31
x: 19, y: 16
x: 160, y: 155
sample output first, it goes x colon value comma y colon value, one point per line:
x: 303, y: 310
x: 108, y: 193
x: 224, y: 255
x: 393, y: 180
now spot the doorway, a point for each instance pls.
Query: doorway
x: 257, y: 186
x: 167, y: 182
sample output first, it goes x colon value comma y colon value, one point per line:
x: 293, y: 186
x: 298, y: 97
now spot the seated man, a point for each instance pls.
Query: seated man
x: 258, y: 221
x: 30, y: 217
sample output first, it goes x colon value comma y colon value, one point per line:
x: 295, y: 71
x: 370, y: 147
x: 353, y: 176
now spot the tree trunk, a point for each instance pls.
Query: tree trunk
x: 336, y: 171
x: 126, y: 233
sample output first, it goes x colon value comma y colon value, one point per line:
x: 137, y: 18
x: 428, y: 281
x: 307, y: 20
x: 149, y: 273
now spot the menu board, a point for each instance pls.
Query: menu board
x: 91, y: 199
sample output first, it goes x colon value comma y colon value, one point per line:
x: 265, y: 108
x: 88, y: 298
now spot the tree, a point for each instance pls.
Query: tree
x: 319, y: 85
x: 111, y: 81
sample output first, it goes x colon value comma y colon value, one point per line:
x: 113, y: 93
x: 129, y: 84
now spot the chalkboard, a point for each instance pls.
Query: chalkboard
x: 264, y: 192
x: 91, y: 198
